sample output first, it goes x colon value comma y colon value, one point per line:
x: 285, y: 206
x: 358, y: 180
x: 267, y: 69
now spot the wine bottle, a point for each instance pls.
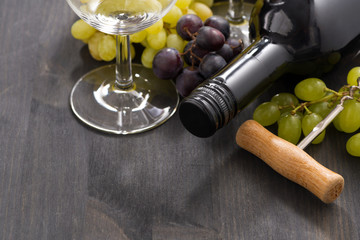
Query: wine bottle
x: 300, y: 36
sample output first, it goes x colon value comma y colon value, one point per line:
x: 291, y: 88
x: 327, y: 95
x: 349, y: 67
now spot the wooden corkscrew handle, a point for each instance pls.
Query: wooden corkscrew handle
x: 290, y: 161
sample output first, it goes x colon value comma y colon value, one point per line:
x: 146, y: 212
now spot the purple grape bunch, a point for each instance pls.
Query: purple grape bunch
x: 208, y: 51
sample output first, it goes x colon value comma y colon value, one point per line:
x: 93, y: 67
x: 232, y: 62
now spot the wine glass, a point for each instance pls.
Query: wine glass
x: 122, y: 98
x: 237, y: 12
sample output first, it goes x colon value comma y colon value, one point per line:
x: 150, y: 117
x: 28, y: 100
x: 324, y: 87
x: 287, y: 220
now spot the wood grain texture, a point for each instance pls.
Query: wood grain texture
x: 290, y: 161
x: 61, y: 180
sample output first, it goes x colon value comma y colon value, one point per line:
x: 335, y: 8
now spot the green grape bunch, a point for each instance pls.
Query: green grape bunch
x: 296, y: 119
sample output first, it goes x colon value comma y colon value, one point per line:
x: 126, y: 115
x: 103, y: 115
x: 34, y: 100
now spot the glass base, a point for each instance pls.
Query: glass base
x: 238, y: 30
x: 97, y: 102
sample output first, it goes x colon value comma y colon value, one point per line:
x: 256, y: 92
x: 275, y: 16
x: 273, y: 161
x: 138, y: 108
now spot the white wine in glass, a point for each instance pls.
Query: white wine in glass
x: 122, y: 98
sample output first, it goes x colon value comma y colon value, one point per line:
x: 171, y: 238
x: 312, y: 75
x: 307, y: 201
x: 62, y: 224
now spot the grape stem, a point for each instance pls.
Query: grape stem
x: 287, y: 106
x: 304, y: 105
x: 332, y: 91
x: 327, y: 98
x: 307, y: 110
x: 167, y: 28
x: 331, y: 98
x: 190, y: 34
x: 192, y: 55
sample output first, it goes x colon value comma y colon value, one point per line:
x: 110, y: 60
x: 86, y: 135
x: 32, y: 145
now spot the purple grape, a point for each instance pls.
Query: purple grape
x: 236, y: 44
x: 220, y: 24
x: 187, y: 25
x: 226, y: 52
x: 210, y: 38
x: 188, y: 80
x: 167, y: 63
x: 211, y: 64
x: 193, y: 53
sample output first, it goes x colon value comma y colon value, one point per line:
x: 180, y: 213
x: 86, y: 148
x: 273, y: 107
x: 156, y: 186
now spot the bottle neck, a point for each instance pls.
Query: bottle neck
x: 251, y: 72
x: 215, y: 102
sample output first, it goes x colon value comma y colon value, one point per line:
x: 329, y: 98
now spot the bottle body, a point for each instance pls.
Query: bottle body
x: 290, y: 36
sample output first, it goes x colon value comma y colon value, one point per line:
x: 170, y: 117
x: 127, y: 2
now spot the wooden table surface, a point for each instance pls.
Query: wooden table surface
x: 62, y: 180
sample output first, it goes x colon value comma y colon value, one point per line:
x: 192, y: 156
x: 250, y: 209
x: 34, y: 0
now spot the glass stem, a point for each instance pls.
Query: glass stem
x: 124, y: 78
x: 236, y: 11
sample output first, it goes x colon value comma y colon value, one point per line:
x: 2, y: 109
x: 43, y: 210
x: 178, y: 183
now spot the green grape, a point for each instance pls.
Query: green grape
x: 190, y: 11
x: 336, y: 124
x: 309, y: 122
x: 138, y: 37
x: 144, y: 43
x: 183, y: 4
x: 297, y: 114
x: 173, y: 15
x: 86, y: 41
x: 81, y: 30
x: 156, y: 27
x: 285, y: 99
x: 107, y: 48
x: 171, y: 30
x: 202, y: 10
x: 157, y: 41
x: 353, y: 76
x: 289, y: 128
x: 321, y: 108
x: 93, y: 45
x: 310, y: 89
x: 208, y: 3
x: 353, y: 145
x: 334, y: 58
x: 267, y: 113
x: 147, y: 57
x: 349, y: 118
x: 175, y: 41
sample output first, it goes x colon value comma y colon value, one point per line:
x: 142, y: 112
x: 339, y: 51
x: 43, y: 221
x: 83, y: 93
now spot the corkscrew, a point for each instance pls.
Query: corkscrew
x: 290, y: 160
x: 329, y: 118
